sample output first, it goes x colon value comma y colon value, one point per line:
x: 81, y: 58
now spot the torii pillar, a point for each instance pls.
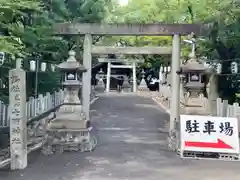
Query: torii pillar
x: 108, y: 76
x: 86, y: 79
x: 134, y: 77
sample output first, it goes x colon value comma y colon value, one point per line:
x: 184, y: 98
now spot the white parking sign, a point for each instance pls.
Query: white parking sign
x: 209, y: 134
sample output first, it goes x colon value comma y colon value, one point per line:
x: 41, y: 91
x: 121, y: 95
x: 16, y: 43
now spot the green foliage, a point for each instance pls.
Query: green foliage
x: 25, y: 26
x: 26, y: 31
x: 222, y: 42
x: 151, y: 11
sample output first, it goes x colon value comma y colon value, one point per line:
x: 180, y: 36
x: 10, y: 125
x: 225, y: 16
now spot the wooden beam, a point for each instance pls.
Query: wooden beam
x: 131, y: 50
x: 128, y: 29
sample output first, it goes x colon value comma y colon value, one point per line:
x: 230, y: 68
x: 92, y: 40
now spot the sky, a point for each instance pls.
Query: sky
x: 123, y: 2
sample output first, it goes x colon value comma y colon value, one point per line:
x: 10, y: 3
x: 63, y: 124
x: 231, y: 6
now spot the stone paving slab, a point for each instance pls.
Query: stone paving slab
x: 131, y: 147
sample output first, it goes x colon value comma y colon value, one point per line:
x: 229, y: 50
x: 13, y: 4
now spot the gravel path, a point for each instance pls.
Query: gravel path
x: 131, y: 147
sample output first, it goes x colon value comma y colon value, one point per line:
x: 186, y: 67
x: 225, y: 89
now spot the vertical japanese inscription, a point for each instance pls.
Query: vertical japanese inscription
x: 18, y: 136
x: 15, y: 104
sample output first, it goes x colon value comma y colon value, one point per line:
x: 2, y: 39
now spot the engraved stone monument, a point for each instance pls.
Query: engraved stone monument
x: 18, y: 120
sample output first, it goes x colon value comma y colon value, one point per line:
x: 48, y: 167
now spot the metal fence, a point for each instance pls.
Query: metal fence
x: 34, y: 107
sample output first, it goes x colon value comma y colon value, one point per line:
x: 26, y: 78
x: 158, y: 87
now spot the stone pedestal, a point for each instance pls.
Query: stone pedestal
x: 69, y: 132
x: 100, y: 87
x: 193, y: 104
x: 70, y: 142
x: 126, y: 86
x: 143, y: 84
x: 70, y: 119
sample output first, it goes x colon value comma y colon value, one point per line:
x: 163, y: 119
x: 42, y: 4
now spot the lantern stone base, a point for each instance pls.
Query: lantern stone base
x: 193, y: 106
x: 127, y: 89
x: 143, y: 85
x: 69, y: 131
x: 69, y: 117
x: 61, y: 140
x: 140, y: 89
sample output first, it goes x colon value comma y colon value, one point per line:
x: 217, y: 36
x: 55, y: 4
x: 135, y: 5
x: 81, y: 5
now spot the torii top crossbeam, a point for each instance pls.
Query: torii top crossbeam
x: 128, y: 29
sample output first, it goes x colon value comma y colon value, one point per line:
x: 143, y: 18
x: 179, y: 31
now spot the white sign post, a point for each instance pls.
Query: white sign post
x: 18, y: 122
x: 209, y: 134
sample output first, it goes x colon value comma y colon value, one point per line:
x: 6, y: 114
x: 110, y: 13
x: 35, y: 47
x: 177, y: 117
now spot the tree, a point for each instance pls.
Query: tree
x: 26, y: 27
x: 151, y: 11
x: 221, y: 42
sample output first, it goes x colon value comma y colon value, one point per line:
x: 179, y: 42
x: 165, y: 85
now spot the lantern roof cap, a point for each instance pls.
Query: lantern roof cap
x: 193, y: 65
x: 71, y: 64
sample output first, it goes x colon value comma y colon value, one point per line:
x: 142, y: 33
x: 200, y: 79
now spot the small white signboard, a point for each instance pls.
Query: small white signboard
x: 209, y: 134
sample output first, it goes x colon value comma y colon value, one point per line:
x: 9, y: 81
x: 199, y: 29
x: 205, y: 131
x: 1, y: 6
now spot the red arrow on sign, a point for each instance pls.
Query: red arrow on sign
x: 218, y: 145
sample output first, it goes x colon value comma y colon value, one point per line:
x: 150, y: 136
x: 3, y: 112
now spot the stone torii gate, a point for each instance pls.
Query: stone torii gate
x: 89, y: 29
x: 131, y: 64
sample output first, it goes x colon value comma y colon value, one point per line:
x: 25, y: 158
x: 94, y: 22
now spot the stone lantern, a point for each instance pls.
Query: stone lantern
x: 126, y: 86
x: 143, y: 84
x: 72, y: 71
x: 70, y: 127
x: 191, y: 74
x: 100, y: 86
